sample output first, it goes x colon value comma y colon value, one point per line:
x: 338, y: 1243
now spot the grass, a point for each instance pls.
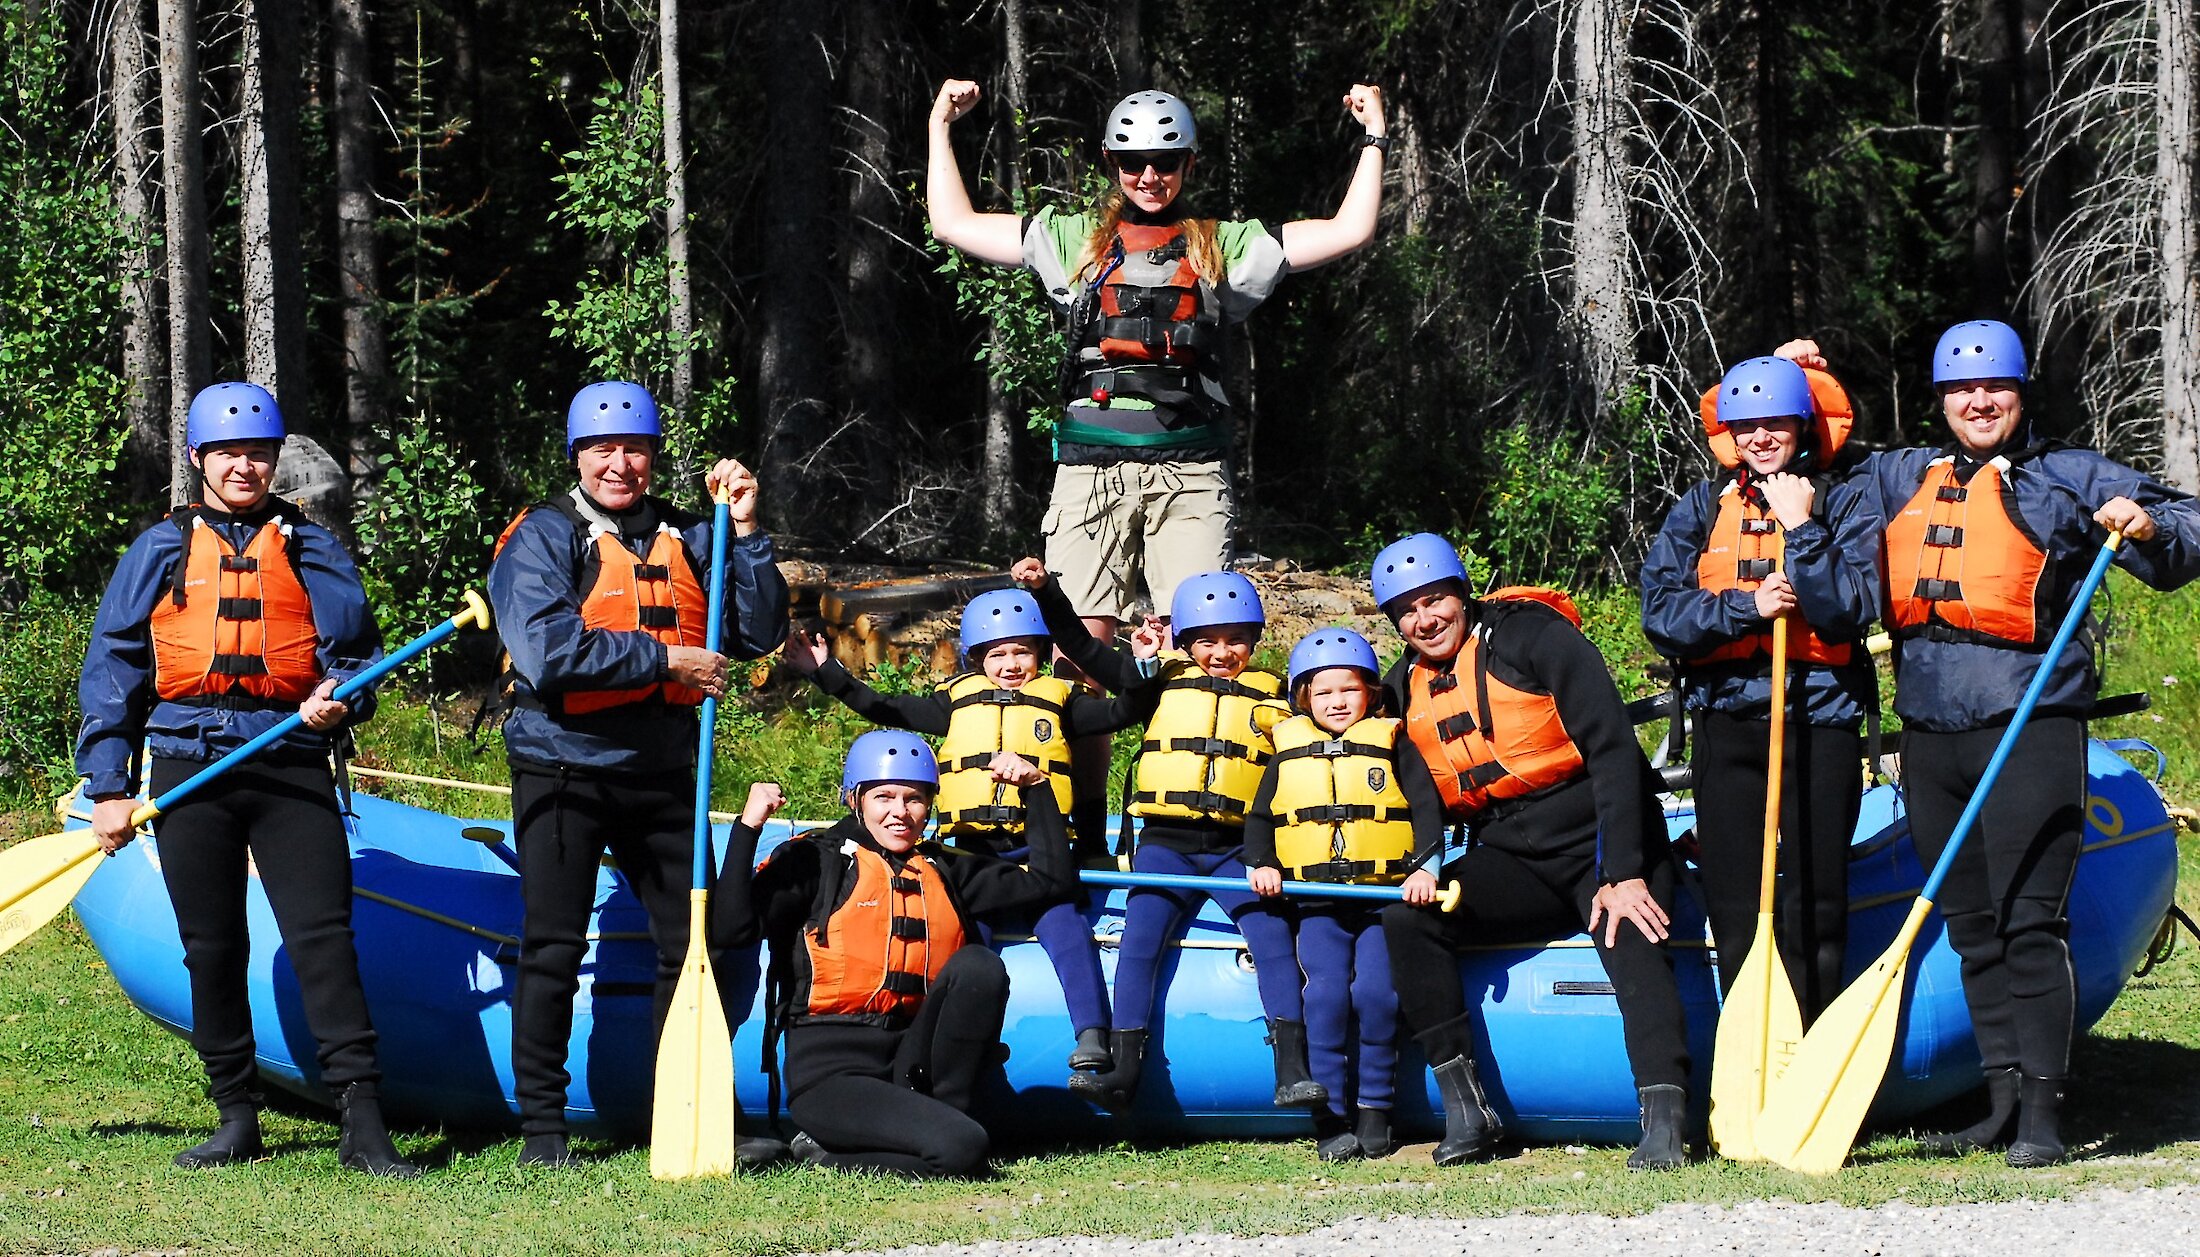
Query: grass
x: 93, y: 1100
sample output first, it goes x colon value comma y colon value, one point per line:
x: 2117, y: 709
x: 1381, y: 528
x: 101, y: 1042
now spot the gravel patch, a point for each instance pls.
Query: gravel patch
x: 2146, y: 1220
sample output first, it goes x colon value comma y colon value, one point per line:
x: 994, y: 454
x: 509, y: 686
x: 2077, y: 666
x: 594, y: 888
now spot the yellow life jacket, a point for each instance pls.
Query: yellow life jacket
x: 984, y: 720
x: 1206, y: 744
x: 1340, y: 816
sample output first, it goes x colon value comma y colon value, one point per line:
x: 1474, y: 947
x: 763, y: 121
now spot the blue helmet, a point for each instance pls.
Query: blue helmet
x: 998, y: 615
x: 1212, y: 598
x: 1764, y: 388
x: 889, y: 755
x: 611, y: 408
x: 1981, y: 349
x: 1331, y: 647
x: 233, y: 411
x: 1421, y: 559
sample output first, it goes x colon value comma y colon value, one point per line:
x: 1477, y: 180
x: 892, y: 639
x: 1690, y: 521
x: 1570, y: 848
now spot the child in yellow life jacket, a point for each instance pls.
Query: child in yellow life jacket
x: 1004, y: 703
x: 1207, y: 722
x: 1347, y: 798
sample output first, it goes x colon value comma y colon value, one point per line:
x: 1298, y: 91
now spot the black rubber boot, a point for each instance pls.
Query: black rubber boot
x: 2039, y: 1118
x: 1091, y: 1054
x: 1295, y: 1086
x: 1991, y: 1133
x: 548, y: 1152
x: 365, y: 1144
x: 1664, y: 1110
x: 1114, y: 1088
x: 1372, y: 1129
x: 237, y: 1139
x: 1471, y: 1126
x: 1333, y: 1138
x: 759, y: 1152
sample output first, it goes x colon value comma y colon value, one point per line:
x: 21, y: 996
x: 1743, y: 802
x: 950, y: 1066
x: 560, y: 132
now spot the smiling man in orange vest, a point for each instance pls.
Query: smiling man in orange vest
x: 600, y: 597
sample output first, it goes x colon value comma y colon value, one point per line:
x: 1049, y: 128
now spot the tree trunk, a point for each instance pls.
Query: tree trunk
x: 2000, y: 61
x: 682, y: 317
x: 794, y: 303
x: 2178, y: 145
x: 1771, y: 286
x: 358, y: 262
x: 144, y: 359
x: 1127, y: 47
x: 997, y: 467
x: 189, y: 353
x: 267, y: 160
x: 2058, y: 352
x: 867, y: 227
x: 1603, y: 296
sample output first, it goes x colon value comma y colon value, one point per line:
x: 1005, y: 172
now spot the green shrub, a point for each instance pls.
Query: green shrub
x: 41, y: 652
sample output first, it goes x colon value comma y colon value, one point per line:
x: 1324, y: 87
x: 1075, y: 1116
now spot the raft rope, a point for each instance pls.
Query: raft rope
x: 2165, y: 940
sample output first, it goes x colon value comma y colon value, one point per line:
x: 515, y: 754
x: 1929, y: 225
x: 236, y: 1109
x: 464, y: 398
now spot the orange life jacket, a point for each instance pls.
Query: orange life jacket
x: 1962, y: 565
x: 660, y: 595
x: 1834, y: 416
x: 876, y: 952
x: 1743, y: 549
x: 1486, y: 740
x: 236, y: 629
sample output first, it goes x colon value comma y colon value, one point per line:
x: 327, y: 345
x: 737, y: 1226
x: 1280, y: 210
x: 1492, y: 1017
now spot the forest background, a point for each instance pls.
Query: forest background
x: 424, y: 223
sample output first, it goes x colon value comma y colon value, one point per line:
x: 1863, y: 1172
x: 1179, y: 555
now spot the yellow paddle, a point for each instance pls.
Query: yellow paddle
x: 39, y: 877
x: 1811, y: 1118
x: 1759, y: 1024
x: 691, y: 1118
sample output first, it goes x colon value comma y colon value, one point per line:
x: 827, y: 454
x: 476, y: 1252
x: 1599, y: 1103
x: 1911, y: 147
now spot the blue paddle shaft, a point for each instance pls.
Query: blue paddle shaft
x: 707, y: 746
x: 344, y: 693
x: 1187, y: 881
x: 2031, y: 699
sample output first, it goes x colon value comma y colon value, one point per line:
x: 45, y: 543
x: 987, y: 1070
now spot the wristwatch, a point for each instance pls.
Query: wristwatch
x: 1380, y: 143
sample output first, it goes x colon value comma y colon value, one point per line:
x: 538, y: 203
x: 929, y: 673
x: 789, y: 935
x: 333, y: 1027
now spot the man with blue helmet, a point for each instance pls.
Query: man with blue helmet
x: 1985, y: 539
x: 1516, y: 716
x: 890, y: 1005
x: 222, y: 620
x: 600, y: 599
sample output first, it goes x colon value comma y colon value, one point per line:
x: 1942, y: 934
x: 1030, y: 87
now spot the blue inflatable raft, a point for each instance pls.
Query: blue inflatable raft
x: 438, y: 921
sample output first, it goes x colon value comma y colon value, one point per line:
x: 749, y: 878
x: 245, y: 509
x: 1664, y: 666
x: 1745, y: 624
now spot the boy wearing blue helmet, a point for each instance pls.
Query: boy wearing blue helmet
x: 1984, y: 541
x: 1004, y: 703
x: 600, y: 599
x: 220, y: 621
x: 1207, y: 715
x: 1347, y: 798
x: 890, y: 1005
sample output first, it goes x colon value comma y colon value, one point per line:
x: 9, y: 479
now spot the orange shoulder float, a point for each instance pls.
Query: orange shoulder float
x: 873, y: 957
x: 1962, y: 565
x: 1487, y: 741
x: 236, y: 628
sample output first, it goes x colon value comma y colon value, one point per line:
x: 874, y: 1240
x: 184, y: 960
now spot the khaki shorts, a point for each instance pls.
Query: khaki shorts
x: 1111, y: 530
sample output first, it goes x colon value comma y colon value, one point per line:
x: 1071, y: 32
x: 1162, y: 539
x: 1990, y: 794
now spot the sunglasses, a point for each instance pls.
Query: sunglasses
x: 1167, y: 162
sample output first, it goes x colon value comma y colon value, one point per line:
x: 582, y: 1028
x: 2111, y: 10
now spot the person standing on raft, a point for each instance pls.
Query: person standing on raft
x: 1985, y: 541
x: 1142, y: 492
x: 1518, y: 720
x: 891, y: 1007
x: 1774, y: 535
x: 600, y: 596
x: 221, y: 621
x: 1346, y: 798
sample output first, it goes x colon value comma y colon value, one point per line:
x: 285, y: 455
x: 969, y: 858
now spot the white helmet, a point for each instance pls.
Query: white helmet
x: 1150, y: 122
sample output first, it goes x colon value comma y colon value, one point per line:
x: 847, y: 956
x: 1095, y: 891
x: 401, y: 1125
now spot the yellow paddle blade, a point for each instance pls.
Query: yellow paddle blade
x: 39, y: 877
x: 1759, y: 1028
x: 691, y: 1122
x: 1814, y: 1110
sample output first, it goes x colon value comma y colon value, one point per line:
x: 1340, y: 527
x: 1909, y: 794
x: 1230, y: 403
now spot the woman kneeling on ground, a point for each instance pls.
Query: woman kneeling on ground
x: 889, y: 1018
x: 1519, y: 722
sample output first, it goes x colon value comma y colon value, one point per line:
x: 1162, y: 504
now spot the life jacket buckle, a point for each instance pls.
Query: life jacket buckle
x: 1944, y: 535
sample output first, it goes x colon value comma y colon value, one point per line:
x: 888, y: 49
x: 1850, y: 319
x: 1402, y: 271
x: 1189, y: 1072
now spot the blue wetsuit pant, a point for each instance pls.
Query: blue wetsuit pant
x: 1153, y: 916
x: 1351, y: 1006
